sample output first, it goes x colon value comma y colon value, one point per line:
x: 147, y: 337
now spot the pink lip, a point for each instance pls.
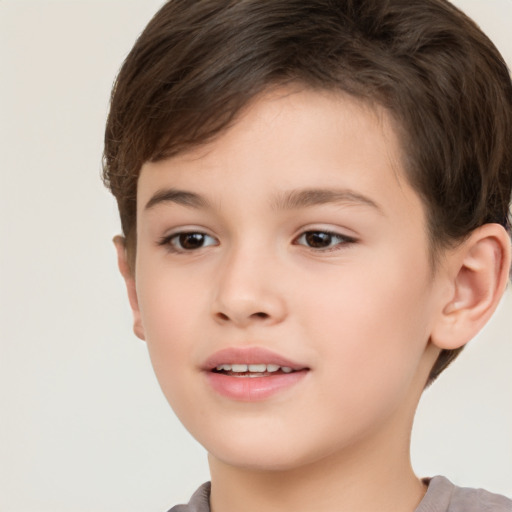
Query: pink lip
x: 249, y: 355
x: 251, y: 389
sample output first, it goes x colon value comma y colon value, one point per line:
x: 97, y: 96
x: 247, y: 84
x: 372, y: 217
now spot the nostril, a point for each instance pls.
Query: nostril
x: 222, y: 316
x: 260, y: 315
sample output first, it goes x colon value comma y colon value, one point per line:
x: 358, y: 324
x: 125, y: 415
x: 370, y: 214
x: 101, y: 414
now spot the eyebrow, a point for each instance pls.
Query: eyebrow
x: 304, y: 198
x: 289, y: 200
x: 182, y: 197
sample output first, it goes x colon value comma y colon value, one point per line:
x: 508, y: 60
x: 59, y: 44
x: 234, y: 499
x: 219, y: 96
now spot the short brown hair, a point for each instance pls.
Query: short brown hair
x: 198, y: 63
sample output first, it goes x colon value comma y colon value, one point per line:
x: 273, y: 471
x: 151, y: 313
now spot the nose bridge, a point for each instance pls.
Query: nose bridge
x: 246, y: 289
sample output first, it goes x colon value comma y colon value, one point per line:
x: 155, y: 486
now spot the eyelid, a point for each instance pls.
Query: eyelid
x: 330, y: 229
x: 345, y: 239
x: 165, y: 240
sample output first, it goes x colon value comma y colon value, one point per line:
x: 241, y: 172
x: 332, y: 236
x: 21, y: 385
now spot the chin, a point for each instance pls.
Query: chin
x: 263, y: 454
x: 261, y: 462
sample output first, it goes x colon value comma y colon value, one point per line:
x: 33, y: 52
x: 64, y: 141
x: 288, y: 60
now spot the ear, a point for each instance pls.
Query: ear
x: 129, y: 279
x: 478, y: 272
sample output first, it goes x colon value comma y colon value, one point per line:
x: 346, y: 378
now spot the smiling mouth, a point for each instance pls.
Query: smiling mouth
x: 252, y: 370
x: 252, y: 374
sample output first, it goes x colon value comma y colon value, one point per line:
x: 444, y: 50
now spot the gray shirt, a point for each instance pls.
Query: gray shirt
x: 441, y: 496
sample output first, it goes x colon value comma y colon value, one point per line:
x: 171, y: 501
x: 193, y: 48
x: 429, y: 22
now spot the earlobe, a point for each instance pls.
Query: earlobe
x: 129, y: 279
x: 479, y: 271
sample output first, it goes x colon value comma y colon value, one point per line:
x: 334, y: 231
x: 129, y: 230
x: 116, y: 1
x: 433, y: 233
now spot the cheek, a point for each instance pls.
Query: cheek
x: 163, y: 309
x: 170, y: 298
x: 170, y: 310
x: 370, y: 330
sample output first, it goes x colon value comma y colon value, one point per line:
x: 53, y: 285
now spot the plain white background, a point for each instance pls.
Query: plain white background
x: 83, y: 425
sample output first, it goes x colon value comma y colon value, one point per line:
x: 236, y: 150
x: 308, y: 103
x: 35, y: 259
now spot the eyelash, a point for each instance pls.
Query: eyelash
x: 167, y: 241
x: 342, y: 241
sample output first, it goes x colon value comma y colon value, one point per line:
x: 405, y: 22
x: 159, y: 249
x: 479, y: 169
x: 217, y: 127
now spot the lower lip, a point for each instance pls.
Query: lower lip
x: 253, y: 389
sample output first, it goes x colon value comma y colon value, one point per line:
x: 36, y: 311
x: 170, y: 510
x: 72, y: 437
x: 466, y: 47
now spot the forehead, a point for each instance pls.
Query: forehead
x: 290, y: 139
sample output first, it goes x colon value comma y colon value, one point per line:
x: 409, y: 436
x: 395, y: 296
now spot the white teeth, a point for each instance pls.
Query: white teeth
x: 252, y: 368
x: 258, y: 368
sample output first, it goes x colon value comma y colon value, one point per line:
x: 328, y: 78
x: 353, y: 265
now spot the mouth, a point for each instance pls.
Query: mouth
x: 252, y: 374
x: 252, y: 370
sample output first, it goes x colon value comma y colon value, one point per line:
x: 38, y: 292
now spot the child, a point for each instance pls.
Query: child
x: 314, y: 198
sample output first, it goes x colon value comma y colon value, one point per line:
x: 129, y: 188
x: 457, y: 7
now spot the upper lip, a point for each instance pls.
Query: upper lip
x: 249, y: 355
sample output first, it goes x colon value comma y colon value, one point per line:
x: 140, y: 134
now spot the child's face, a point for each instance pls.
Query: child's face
x: 309, y: 245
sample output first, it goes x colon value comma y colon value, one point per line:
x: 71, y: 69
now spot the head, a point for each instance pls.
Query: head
x: 198, y: 66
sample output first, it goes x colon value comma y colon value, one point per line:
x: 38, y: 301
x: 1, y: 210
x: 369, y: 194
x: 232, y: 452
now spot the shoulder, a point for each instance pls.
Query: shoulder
x: 443, y: 496
x: 200, y: 501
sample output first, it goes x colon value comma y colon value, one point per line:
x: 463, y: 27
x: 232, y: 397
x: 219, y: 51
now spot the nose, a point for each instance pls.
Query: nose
x: 248, y: 292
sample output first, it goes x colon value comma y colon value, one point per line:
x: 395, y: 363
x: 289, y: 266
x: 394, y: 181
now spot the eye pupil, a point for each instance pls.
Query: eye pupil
x: 318, y: 239
x: 191, y: 240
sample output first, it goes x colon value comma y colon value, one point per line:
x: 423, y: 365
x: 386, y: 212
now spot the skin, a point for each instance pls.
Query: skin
x: 366, y: 314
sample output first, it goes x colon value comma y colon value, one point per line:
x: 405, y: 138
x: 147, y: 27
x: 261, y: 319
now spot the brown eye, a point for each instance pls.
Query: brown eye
x: 323, y: 240
x: 188, y: 241
x: 318, y: 239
